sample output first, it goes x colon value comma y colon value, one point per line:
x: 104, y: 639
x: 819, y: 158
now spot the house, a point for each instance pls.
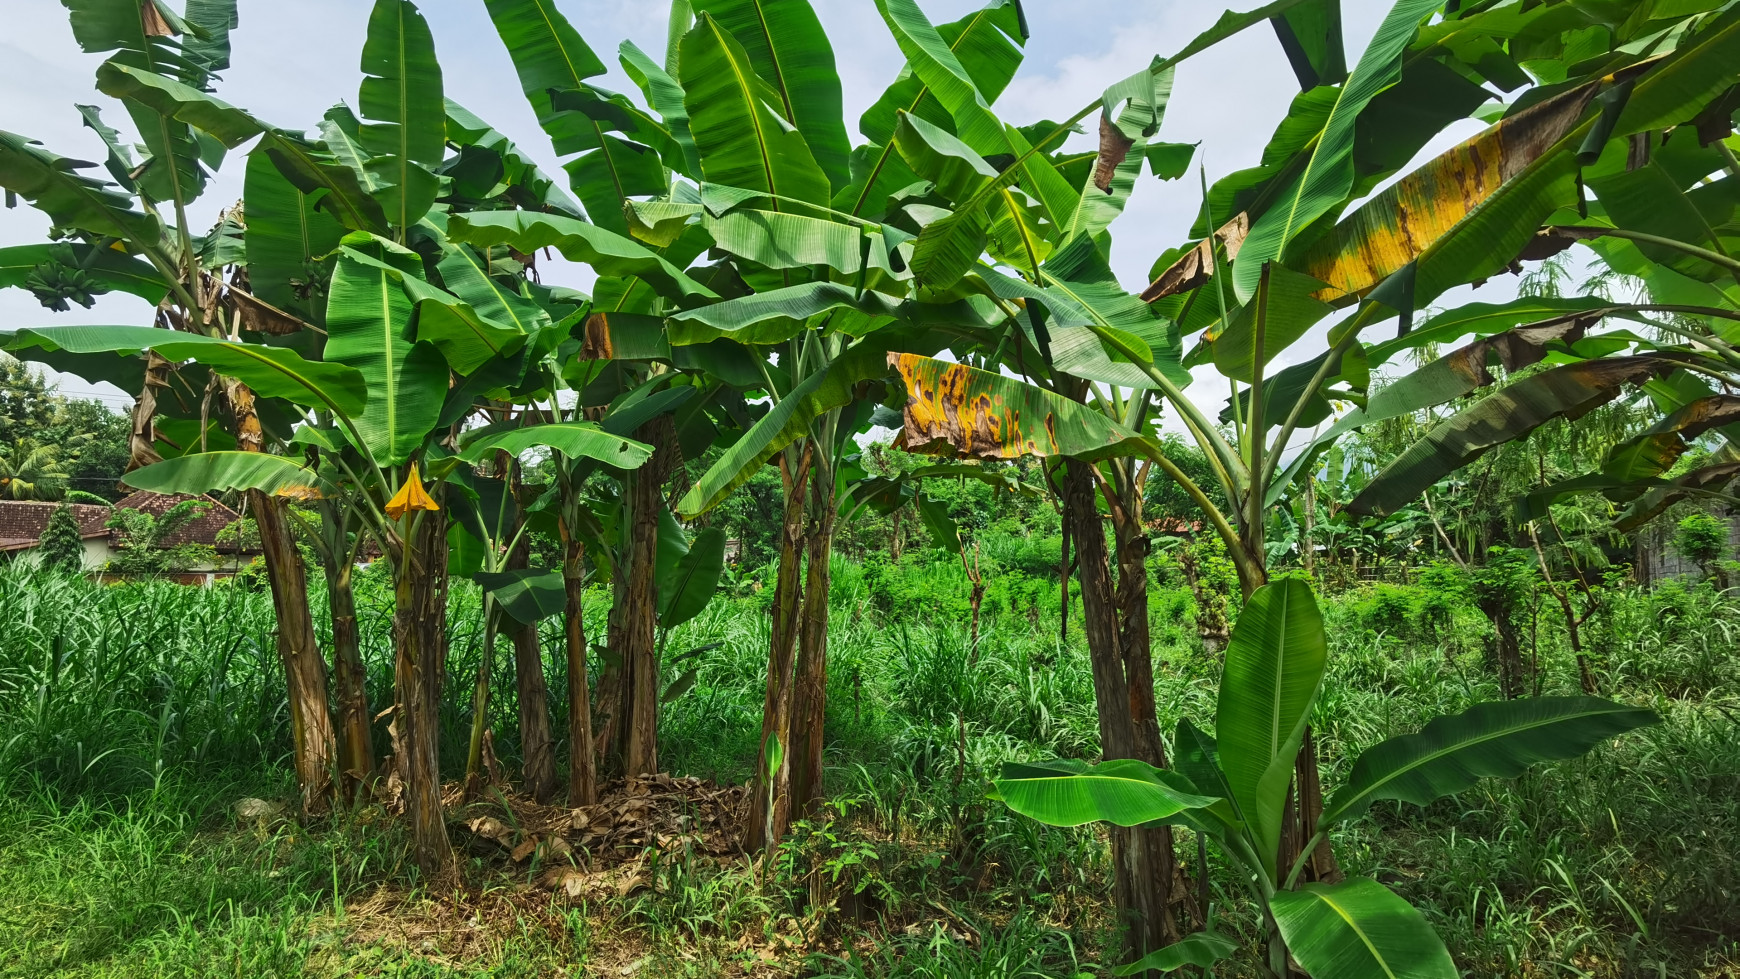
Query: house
x: 23, y: 522
x: 22, y: 525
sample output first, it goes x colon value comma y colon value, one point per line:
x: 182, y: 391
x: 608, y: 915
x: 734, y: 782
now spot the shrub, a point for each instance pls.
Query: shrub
x: 62, y: 548
x: 1702, y: 539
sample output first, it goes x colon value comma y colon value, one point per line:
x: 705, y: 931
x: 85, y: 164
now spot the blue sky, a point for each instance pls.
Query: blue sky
x: 293, y: 60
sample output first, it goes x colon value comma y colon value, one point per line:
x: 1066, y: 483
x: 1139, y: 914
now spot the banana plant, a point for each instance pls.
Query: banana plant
x: 1278, y: 252
x: 1231, y: 786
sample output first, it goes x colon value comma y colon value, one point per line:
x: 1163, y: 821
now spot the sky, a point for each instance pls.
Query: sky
x: 292, y: 61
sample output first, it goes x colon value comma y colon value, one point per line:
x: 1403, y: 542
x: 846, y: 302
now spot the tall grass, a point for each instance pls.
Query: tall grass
x: 134, y: 716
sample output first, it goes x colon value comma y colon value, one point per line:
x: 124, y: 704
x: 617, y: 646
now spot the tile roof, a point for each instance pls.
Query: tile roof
x: 23, y: 521
x: 202, y: 529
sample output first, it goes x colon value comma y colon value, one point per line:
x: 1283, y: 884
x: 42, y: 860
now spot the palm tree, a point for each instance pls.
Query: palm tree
x: 30, y: 470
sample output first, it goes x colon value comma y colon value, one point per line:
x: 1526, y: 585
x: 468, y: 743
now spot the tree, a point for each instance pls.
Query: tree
x: 1703, y: 539
x: 63, y: 546
x: 30, y: 470
x: 142, y: 541
x: 26, y: 403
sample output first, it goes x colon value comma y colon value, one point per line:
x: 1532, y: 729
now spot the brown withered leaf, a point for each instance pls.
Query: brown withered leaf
x: 153, y: 21
x: 1195, y: 266
x: 1521, y: 347
x: 263, y: 317
x: 491, y: 828
x: 1114, y: 149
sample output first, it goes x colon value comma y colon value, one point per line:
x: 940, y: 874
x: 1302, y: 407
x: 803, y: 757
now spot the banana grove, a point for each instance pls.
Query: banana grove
x: 363, y: 350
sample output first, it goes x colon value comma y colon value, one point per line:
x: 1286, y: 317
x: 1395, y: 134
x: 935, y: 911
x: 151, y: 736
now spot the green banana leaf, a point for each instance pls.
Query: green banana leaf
x: 988, y: 43
x: 272, y: 372
x: 1501, y: 739
x: 220, y: 472
x: 665, y: 95
x: 401, y: 99
x: 1274, y: 667
x: 931, y: 59
x: 1202, y: 949
x: 1359, y: 929
x: 742, y: 141
x: 609, y: 253
x: 1124, y: 792
x: 173, y: 169
x: 576, y: 440
x: 287, y: 241
x: 529, y: 595
x: 692, y: 580
x: 834, y: 386
x: 340, y: 187
x: 775, y: 315
x: 1310, y: 33
x: 51, y: 183
x: 1292, y: 308
x: 788, y: 48
x: 367, y: 315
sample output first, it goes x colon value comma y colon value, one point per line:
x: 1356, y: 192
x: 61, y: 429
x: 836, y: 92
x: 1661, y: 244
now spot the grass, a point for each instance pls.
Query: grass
x: 133, y: 718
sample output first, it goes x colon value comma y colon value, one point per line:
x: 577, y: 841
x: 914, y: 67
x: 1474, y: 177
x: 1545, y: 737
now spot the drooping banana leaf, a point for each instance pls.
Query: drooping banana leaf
x: 218, y: 472
x: 1656, y: 450
x: 1571, y: 390
x: 1493, y: 740
x: 272, y: 372
x: 1359, y: 929
x: 1123, y: 792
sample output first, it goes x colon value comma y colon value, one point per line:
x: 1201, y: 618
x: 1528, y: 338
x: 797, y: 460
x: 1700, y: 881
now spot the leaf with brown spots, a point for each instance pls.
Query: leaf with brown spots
x: 1398, y: 225
x: 953, y: 409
